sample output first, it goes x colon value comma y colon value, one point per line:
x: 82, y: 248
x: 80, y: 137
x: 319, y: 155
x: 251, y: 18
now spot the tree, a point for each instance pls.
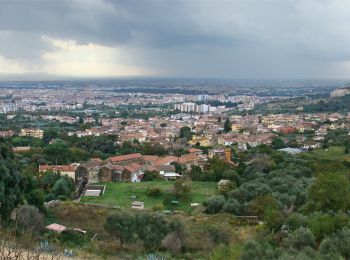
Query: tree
x: 185, y: 132
x: 278, y: 143
x: 64, y: 186
x: 57, y: 152
x: 154, y: 228
x: 214, y: 204
x: 49, y: 178
x: 36, y: 198
x: 300, y: 239
x: 219, y: 167
x: 151, y: 176
x: 227, y: 125
x: 30, y: 218
x: 121, y: 225
x: 10, y: 181
x: 329, y: 192
x: 260, y: 204
x: 182, y: 188
x: 338, y: 243
x: 49, y: 134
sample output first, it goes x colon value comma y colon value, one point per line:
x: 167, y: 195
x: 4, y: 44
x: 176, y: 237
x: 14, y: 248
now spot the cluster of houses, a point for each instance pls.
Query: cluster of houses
x: 132, y: 167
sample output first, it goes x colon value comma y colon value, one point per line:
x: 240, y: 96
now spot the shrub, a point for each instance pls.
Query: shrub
x: 153, y: 191
x: 300, y: 239
x: 62, y: 197
x: 214, y: 204
x: 218, y: 236
x: 36, y: 198
x: 72, y: 238
x: 30, y: 218
x: 49, y: 197
x: 158, y: 207
x: 182, y: 188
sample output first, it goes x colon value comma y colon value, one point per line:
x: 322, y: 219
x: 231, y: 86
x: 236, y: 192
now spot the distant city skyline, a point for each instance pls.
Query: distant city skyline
x: 249, y: 39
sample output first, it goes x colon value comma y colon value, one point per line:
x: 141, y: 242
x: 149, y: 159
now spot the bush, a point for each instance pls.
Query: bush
x: 214, y: 204
x: 218, y: 236
x: 36, y: 198
x: 49, y: 197
x: 72, y: 238
x: 153, y: 191
x: 62, y: 197
x: 158, y: 207
x: 182, y: 189
x: 151, y: 176
x: 30, y: 218
x: 64, y: 186
x: 300, y: 239
x: 234, y: 207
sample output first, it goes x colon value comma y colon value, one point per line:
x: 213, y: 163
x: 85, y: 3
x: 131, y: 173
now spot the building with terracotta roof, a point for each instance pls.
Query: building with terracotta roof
x: 63, y: 169
x: 126, y: 159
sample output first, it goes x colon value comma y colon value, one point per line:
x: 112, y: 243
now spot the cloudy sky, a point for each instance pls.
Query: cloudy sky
x: 190, y: 38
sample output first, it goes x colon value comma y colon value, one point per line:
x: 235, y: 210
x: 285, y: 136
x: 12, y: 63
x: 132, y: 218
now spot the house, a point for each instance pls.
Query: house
x: 63, y: 169
x: 287, y: 130
x: 109, y: 172
x: 222, y: 153
x: 132, y: 173
x: 21, y: 149
x: 8, y: 133
x: 202, y: 140
x: 89, y: 171
x: 168, y: 172
x: 32, y: 132
x: 167, y: 160
x: 126, y: 159
x: 195, y: 151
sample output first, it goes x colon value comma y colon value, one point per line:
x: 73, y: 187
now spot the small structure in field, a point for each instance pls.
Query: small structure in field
x: 137, y: 205
x: 56, y: 227
x: 95, y: 190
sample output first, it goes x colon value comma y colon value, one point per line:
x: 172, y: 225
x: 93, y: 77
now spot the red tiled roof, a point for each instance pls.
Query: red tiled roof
x: 187, y: 158
x: 63, y: 168
x: 151, y: 158
x: 166, y: 160
x: 133, y: 167
x: 125, y: 157
x: 194, y: 150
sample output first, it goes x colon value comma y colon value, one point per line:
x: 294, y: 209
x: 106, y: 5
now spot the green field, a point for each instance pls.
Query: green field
x: 332, y: 159
x: 331, y: 153
x: 119, y: 194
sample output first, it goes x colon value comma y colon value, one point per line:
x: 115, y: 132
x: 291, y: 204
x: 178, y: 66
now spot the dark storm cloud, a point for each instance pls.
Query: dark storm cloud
x: 200, y: 38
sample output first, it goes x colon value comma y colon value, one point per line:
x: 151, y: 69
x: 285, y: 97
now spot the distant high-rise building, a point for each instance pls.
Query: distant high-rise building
x: 202, y: 97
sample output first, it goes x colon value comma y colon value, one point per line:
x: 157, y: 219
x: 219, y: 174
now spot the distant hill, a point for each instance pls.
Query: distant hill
x: 340, y: 92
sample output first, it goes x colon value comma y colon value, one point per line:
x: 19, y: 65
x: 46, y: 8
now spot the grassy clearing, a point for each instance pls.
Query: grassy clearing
x: 332, y: 153
x: 329, y: 160
x: 119, y: 194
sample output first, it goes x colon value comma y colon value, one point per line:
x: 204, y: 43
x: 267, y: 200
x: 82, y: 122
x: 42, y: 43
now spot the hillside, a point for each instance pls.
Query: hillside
x: 340, y: 92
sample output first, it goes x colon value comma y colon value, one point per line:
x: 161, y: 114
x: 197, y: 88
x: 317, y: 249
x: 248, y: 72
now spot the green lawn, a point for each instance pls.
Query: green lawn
x: 332, y: 153
x: 118, y: 194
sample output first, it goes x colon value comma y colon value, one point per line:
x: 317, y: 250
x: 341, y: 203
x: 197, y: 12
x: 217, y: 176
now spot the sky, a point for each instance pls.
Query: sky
x: 293, y: 39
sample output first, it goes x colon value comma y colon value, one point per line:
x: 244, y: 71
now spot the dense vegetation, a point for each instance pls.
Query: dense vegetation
x: 302, y: 201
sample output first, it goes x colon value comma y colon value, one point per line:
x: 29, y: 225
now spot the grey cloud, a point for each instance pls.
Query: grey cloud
x: 192, y: 38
